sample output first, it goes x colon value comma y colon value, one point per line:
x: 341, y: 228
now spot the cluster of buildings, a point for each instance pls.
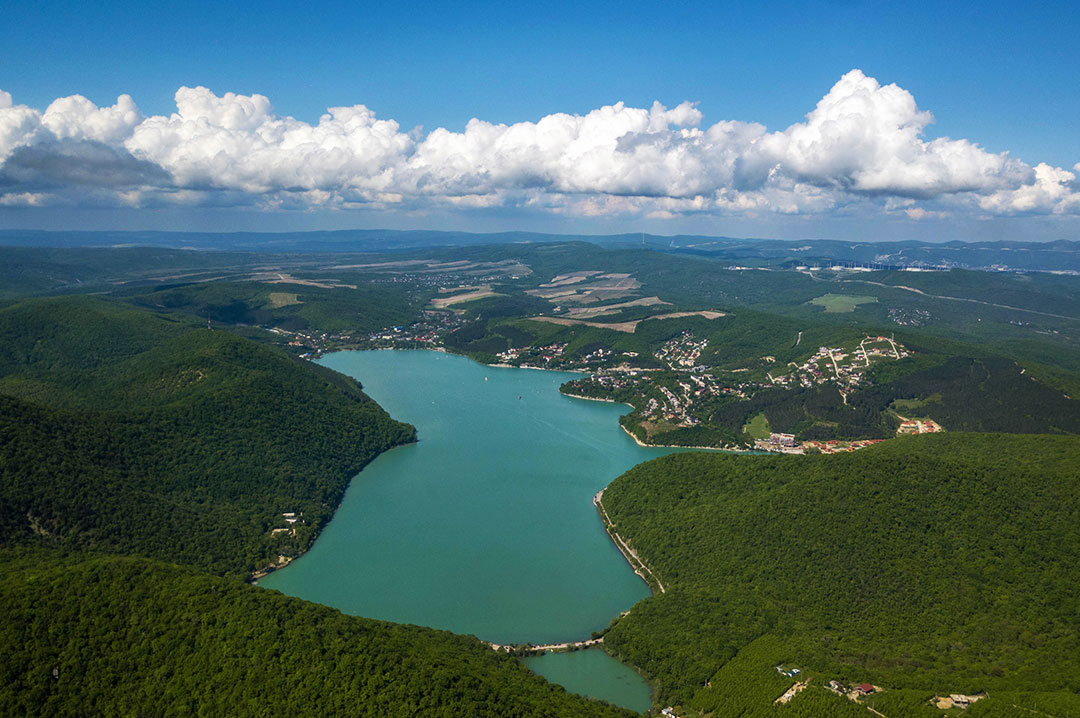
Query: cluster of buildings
x: 425, y: 333
x: 854, y: 692
x: 786, y: 444
x: 779, y: 443
x: 665, y: 397
x: 956, y: 700
x: 312, y: 343
x: 682, y: 352
x: 545, y: 357
x: 677, y: 398
x: 616, y: 381
x: 840, y: 365
x: 909, y: 317
x: 919, y: 426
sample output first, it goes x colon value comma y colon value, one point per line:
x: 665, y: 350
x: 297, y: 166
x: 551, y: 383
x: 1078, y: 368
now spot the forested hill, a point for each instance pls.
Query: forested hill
x: 926, y: 565
x: 126, y: 431
x: 124, y: 637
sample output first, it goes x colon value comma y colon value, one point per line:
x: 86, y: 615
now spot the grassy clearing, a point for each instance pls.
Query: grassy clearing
x: 908, y: 404
x: 283, y: 299
x: 758, y: 427
x: 909, y: 408
x: 842, y: 303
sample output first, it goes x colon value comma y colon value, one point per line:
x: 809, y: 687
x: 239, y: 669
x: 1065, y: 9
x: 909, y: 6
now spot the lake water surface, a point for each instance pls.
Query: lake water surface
x: 486, y: 525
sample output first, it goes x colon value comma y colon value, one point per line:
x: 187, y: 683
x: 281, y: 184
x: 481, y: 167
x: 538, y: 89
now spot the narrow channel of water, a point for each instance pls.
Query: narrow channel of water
x: 486, y: 525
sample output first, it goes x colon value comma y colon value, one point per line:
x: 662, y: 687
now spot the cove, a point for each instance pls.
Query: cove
x: 595, y: 674
x: 485, y: 526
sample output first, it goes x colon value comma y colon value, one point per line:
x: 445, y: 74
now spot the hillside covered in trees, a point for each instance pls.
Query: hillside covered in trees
x: 125, y: 431
x: 928, y: 565
x: 117, y: 636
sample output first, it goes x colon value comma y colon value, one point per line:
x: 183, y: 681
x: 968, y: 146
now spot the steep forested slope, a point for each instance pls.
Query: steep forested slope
x: 121, y: 636
x: 937, y: 563
x: 124, y: 431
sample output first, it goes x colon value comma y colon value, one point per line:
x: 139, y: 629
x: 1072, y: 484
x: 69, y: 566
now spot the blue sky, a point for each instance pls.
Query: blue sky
x: 1002, y: 75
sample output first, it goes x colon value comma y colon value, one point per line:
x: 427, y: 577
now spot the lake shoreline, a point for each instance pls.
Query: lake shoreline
x: 259, y: 574
x: 521, y: 366
x: 446, y: 400
x: 628, y: 553
x: 639, y: 442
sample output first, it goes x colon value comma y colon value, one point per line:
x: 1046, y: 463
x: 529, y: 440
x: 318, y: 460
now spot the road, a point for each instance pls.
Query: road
x: 623, y: 546
x: 956, y: 299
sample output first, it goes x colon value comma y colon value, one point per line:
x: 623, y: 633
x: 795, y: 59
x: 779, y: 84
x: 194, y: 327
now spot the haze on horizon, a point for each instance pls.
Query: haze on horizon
x: 838, y: 146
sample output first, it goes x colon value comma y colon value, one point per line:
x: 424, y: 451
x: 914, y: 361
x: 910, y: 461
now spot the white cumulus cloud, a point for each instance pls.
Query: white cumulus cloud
x: 862, y: 146
x: 76, y: 117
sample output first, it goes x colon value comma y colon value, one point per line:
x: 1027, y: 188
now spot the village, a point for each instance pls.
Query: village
x: 843, y: 366
x: 684, y: 392
x: 855, y: 692
x: 426, y: 333
x: 681, y: 392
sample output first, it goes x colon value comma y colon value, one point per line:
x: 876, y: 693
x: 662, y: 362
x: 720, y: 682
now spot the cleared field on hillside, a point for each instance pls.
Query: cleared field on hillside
x: 841, y: 303
x: 627, y: 327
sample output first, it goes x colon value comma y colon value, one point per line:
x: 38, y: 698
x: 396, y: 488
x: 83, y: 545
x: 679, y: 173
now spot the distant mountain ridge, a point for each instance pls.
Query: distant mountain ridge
x: 1057, y: 255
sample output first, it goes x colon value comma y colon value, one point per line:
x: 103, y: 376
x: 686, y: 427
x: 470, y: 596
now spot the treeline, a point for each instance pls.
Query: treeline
x: 90, y: 636
x: 941, y: 563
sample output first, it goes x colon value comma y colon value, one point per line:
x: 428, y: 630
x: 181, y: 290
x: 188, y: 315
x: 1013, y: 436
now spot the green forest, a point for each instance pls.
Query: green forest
x: 933, y: 564
x: 125, y: 431
x: 88, y: 635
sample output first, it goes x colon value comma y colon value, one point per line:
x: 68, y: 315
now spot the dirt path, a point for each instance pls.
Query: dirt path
x: 792, y: 692
x: 835, y: 366
x: 1032, y: 710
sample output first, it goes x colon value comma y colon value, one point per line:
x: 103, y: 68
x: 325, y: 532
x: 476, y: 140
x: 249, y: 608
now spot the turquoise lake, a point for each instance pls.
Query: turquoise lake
x: 485, y: 526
